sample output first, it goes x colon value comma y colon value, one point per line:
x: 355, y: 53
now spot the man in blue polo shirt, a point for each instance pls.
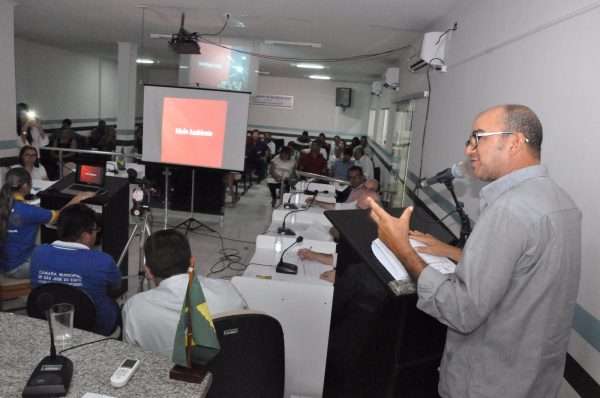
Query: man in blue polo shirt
x: 69, y: 260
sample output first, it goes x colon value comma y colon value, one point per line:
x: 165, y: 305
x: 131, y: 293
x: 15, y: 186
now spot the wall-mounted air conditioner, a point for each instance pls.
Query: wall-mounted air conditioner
x: 392, y: 77
x: 432, y: 52
x: 376, y: 87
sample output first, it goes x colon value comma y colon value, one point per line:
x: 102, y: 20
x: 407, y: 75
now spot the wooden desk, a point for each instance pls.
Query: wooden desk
x: 25, y: 341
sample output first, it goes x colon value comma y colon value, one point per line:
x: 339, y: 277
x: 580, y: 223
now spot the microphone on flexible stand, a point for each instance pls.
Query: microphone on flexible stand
x: 52, y: 376
x: 290, y: 205
x: 288, y: 268
x: 287, y: 231
x: 457, y: 170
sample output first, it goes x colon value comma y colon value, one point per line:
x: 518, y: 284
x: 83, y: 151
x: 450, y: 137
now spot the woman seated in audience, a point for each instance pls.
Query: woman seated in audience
x: 28, y: 159
x: 19, y: 222
x: 280, y: 168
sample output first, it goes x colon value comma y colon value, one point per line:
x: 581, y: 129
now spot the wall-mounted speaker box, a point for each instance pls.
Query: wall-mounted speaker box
x: 343, y: 97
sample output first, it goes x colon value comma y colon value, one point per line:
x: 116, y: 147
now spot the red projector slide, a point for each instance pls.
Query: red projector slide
x: 193, y: 131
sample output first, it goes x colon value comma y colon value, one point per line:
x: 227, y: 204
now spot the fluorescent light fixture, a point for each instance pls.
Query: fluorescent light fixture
x: 260, y: 72
x: 320, y: 77
x: 293, y: 43
x: 144, y: 61
x: 308, y: 66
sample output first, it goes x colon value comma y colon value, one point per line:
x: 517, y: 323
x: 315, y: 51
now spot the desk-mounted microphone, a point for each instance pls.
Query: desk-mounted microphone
x: 288, y: 268
x: 52, y: 376
x: 287, y: 231
x: 288, y: 204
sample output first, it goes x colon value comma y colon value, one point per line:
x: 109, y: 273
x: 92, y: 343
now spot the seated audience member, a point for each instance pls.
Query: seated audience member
x: 28, y: 159
x: 19, y: 222
x: 323, y: 258
x: 313, y: 161
x: 365, y: 146
x: 93, y: 271
x: 304, y: 138
x: 108, y: 142
x: 97, y: 134
x: 150, y: 318
x: 66, y: 123
x: 322, y: 151
x: 337, y: 141
x: 364, y: 162
x: 339, y: 168
x: 324, y: 144
x: 281, y: 167
x: 230, y: 178
x: 256, y: 155
x: 270, y: 144
x: 337, y: 155
x: 361, y: 189
x: 355, y: 142
x: 64, y: 140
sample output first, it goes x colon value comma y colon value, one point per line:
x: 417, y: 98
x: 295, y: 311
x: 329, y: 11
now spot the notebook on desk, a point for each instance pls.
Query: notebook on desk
x: 88, y: 178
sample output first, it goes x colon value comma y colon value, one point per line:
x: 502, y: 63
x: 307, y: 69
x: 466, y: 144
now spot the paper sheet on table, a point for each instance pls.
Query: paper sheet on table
x: 395, y: 267
x: 317, y: 231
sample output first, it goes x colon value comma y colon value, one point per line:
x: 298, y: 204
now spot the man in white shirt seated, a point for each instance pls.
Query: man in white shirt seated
x: 364, y: 162
x: 150, y: 318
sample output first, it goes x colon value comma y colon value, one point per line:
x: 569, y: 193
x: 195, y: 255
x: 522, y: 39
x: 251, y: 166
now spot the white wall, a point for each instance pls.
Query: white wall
x: 61, y: 84
x: 543, y: 54
x: 314, y: 107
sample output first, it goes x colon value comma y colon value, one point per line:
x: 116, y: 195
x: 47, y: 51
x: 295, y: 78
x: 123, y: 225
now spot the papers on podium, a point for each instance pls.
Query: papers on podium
x: 395, y: 267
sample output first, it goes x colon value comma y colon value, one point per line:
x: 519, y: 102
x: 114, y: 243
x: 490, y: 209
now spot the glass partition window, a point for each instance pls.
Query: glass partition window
x: 401, y: 148
x: 371, y: 123
x: 382, y: 130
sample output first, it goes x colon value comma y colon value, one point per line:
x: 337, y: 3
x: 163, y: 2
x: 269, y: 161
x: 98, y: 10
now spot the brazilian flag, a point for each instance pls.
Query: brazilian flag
x: 196, y: 339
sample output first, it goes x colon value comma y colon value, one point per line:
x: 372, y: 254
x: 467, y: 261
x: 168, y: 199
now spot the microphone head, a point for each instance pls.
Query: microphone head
x: 44, y: 302
x: 461, y: 169
x: 315, y: 192
x: 132, y: 175
x: 299, y: 239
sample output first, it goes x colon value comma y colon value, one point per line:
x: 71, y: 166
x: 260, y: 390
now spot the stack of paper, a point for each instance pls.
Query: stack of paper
x: 395, y: 267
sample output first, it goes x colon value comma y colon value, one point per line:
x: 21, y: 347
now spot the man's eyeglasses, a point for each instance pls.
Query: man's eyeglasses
x: 473, y: 140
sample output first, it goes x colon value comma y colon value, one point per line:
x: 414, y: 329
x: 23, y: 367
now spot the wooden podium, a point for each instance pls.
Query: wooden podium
x: 112, y: 209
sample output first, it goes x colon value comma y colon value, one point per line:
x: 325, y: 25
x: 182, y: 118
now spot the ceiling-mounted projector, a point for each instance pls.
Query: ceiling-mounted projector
x: 184, y: 42
x: 184, y: 47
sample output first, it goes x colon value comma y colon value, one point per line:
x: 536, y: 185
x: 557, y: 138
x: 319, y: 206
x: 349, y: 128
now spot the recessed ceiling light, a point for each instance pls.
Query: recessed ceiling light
x: 309, y: 66
x: 144, y: 61
x: 320, y: 77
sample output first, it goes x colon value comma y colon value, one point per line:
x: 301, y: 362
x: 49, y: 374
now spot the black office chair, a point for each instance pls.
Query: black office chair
x: 251, y: 362
x: 44, y: 296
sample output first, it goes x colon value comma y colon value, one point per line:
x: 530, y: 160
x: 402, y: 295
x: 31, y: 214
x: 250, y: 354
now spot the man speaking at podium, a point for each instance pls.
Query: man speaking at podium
x: 510, y: 304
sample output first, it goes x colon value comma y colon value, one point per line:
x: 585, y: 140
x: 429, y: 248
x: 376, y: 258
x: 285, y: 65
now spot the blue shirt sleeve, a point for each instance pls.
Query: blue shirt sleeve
x: 36, y: 215
x: 113, y: 275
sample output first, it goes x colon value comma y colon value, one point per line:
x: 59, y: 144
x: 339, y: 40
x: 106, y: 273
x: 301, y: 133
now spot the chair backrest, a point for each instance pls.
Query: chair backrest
x: 251, y: 362
x: 46, y: 295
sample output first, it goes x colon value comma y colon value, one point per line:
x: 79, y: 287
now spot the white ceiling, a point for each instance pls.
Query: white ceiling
x: 344, y: 28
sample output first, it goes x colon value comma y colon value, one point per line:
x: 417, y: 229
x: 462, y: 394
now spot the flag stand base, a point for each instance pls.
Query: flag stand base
x: 194, y: 375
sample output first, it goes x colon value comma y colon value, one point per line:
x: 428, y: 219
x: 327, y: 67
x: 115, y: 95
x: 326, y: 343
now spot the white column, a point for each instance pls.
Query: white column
x: 127, y: 79
x: 8, y: 101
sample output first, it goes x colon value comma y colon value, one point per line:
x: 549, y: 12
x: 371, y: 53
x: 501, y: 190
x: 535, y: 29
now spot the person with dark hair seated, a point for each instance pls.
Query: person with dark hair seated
x: 313, y: 161
x: 256, y: 156
x: 69, y: 260
x: 150, y: 318
x: 28, y: 159
x: 280, y: 168
x: 19, y: 222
